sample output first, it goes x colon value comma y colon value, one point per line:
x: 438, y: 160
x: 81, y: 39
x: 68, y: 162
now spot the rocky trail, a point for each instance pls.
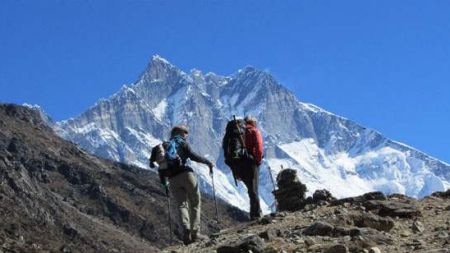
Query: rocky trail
x: 371, y: 223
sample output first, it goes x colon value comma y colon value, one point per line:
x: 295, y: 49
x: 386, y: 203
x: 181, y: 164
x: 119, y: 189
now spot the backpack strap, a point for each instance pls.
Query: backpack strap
x: 172, y: 149
x: 241, y: 138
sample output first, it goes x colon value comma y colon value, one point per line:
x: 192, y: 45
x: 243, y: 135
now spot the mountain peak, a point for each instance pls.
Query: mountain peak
x: 196, y: 72
x: 159, y: 69
x: 160, y: 62
x: 248, y: 69
x: 158, y: 58
x: 252, y: 72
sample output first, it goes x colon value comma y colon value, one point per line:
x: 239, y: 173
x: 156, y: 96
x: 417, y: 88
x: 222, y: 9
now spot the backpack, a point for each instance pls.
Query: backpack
x: 171, y: 162
x: 233, y: 145
x: 172, y: 157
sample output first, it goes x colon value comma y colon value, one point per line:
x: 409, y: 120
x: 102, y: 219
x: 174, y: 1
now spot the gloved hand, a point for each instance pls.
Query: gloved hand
x: 152, y: 165
x: 211, y: 166
x: 165, y: 185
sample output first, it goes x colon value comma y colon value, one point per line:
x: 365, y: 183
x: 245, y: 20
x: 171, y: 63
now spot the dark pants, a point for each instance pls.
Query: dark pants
x: 250, y: 177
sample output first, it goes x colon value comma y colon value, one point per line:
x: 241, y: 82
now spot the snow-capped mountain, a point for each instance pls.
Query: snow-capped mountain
x: 327, y: 150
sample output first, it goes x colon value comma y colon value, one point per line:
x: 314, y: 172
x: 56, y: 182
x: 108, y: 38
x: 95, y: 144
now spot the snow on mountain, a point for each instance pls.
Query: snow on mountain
x: 327, y: 150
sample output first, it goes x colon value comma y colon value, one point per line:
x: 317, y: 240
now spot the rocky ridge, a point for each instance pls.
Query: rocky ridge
x: 55, y: 197
x: 370, y: 223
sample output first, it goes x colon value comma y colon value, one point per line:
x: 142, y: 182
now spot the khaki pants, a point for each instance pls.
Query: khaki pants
x: 185, y: 190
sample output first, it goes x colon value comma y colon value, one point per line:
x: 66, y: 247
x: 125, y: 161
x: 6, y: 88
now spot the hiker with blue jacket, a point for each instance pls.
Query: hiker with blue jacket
x: 183, y: 181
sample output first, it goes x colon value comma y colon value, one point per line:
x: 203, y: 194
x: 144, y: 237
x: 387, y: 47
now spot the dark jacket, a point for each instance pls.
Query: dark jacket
x: 184, y: 151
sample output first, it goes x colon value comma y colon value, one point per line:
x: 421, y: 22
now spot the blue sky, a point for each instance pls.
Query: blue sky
x: 383, y: 64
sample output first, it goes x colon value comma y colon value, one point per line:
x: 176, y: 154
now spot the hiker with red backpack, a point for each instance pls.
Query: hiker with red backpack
x: 184, y: 186
x: 243, y: 151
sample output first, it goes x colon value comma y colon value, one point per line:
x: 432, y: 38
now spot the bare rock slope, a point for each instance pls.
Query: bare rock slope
x: 54, y: 197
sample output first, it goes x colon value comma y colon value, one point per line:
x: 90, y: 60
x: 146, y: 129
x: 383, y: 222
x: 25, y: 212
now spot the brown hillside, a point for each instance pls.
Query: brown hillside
x: 54, y: 197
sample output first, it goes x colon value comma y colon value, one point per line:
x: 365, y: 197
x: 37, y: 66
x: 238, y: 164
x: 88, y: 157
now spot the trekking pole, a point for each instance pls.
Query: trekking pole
x: 170, y: 217
x: 271, y: 177
x: 214, y: 193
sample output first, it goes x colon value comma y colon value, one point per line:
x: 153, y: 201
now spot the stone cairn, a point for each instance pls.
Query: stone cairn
x: 291, y: 192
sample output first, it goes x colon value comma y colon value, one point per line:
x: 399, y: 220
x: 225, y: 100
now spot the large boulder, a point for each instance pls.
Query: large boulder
x: 373, y: 221
x: 443, y: 195
x: 250, y: 244
x: 393, y: 208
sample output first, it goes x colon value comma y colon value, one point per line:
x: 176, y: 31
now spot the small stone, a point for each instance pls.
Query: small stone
x: 253, y: 243
x: 442, y: 235
x: 418, y: 227
x: 298, y: 241
x: 265, y: 220
x: 211, y: 243
x: 268, y: 235
x: 440, y: 228
x: 337, y: 249
x: 65, y: 249
x: 374, y: 250
x: 309, y: 242
x: 270, y: 250
x: 327, y: 239
x: 319, y: 228
x: 214, y: 235
x: 358, y: 237
x: 316, y: 248
x: 280, y: 214
x: 405, y: 233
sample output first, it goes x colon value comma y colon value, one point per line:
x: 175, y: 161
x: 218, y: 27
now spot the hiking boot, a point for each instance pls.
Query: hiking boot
x: 187, y: 237
x: 196, y: 236
x: 255, y: 217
